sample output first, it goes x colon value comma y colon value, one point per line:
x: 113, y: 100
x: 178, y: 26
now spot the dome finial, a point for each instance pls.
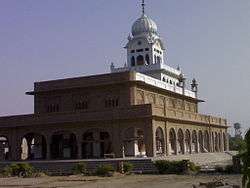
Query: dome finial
x: 143, y: 7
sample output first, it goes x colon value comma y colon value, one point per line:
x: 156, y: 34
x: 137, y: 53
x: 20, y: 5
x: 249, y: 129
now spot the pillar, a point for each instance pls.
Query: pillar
x: 48, y: 138
x: 149, y: 139
x: 79, y: 145
x: 117, y: 142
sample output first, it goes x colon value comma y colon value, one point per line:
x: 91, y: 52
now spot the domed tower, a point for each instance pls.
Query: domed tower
x: 145, y: 47
x: 145, y: 52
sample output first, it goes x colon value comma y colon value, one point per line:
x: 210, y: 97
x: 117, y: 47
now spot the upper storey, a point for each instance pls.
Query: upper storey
x: 99, y: 92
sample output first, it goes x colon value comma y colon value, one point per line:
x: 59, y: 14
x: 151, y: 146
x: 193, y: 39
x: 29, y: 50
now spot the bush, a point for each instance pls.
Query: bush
x: 193, y: 167
x: 19, y: 169
x: 105, y: 170
x: 80, y: 168
x: 175, y: 167
x: 128, y: 167
x: 229, y: 169
x: 219, y: 169
x: 170, y: 167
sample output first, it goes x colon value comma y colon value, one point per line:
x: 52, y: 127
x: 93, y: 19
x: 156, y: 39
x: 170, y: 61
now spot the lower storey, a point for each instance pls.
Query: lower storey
x: 110, y: 140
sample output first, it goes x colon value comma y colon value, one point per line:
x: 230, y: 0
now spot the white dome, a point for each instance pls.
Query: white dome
x: 144, y: 25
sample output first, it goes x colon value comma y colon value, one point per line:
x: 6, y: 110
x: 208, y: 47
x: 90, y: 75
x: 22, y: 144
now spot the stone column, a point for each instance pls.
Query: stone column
x: 227, y: 137
x: 15, y: 143
x: 79, y: 145
x: 166, y: 141
x: 48, y: 138
x: 149, y: 139
x: 117, y: 142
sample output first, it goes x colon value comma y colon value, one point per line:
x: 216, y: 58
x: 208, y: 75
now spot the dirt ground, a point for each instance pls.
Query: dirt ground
x: 119, y: 181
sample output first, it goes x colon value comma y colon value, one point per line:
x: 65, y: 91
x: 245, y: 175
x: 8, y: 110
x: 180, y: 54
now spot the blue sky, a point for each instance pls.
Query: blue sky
x: 50, y: 39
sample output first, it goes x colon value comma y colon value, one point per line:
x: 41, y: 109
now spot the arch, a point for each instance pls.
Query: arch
x: 188, y: 141
x: 33, y: 147
x: 194, y: 142
x: 220, y: 142
x: 180, y: 142
x: 147, y: 59
x: 4, y: 148
x: 140, y: 60
x: 132, y: 61
x: 216, y: 142
x: 212, y: 143
x: 96, y: 143
x: 159, y: 140
x: 158, y: 59
x: 155, y: 59
x: 172, y: 142
x: 206, y: 141
x: 200, y: 141
x: 134, y: 142
x: 63, y: 145
x: 225, y: 141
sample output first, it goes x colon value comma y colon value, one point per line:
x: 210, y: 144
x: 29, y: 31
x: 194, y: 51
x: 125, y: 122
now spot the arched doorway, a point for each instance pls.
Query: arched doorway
x: 133, y: 142
x: 212, y: 139
x: 33, y: 147
x: 140, y: 60
x: 200, y: 139
x: 63, y: 145
x: 206, y: 141
x: 216, y: 142
x: 4, y: 148
x: 159, y: 139
x: 225, y: 141
x: 220, y: 142
x: 96, y: 144
x: 180, y: 142
x: 194, y: 142
x: 188, y: 141
x: 172, y: 142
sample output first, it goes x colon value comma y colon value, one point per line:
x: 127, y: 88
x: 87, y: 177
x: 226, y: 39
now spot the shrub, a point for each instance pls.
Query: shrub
x: 19, y: 169
x: 105, y: 170
x: 128, y: 167
x: 170, y: 167
x: 175, y: 167
x: 193, y: 167
x: 80, y: 168
x: 229, y: 169
x: 219, y: 169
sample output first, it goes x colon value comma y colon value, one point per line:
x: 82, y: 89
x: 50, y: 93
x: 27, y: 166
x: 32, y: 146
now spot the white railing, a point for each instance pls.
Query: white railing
x: 160, y: 84
x: 156, y: 66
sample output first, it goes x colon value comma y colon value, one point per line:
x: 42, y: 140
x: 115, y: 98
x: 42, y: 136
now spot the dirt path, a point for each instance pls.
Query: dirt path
x: 133, y: 181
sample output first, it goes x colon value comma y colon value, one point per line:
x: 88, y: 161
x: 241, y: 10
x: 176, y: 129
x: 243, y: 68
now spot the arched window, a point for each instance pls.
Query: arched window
x: 158, y: 59
x: 140, y: 60
x: 147, y: 59
x: 132, y: 61
x: 163, y: 79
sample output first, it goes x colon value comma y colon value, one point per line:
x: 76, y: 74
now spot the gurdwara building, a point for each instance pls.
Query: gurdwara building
x: 144, y: 109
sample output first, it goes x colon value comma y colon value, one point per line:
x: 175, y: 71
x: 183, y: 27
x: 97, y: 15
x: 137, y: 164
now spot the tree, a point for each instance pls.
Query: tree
x: 237, y: 144
x: 246, y: 162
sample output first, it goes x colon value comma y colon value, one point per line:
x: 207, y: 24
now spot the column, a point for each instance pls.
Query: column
x: 48, y: 142
x: 149, y: 139
x: 117, y: 142
x: 79, y: 145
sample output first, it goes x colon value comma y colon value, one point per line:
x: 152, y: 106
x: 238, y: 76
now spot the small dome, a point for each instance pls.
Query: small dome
x: 144, y: 25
